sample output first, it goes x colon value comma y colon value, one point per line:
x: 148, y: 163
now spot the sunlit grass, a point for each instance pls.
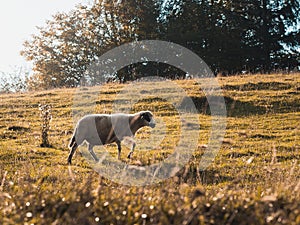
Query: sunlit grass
x: 255, y: 178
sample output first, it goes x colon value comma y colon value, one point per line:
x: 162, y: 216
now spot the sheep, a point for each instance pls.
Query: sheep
x: 102, y: 129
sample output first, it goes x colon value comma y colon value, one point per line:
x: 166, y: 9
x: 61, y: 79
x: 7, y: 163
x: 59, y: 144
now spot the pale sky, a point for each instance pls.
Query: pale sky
x: 18, y: 20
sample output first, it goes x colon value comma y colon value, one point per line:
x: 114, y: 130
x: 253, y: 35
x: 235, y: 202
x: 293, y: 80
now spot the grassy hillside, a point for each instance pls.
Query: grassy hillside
x: 255, y: 178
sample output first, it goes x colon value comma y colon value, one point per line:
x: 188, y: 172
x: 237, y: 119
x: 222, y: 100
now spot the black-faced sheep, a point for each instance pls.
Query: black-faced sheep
x: 101, y: 129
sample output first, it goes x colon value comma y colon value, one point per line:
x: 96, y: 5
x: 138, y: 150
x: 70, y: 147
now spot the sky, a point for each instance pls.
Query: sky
x: 19, y: 19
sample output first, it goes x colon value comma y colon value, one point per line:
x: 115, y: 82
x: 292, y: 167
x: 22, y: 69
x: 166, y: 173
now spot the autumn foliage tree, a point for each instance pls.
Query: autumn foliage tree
x: 63, y: 49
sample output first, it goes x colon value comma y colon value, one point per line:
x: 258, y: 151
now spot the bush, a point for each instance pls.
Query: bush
x: 15, y: 81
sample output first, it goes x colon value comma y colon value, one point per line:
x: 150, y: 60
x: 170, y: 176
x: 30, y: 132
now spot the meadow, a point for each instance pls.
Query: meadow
x: 254, y: 179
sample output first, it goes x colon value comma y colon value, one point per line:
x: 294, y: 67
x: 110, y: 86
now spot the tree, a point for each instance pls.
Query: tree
x: 236, y: 35
x: 140, y: 17
x: 202, y: 27
x: 68, y: 44
x: 266, y: 34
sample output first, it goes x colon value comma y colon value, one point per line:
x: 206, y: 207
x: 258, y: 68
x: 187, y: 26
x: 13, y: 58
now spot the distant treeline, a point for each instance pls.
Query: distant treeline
x: 231, y: 36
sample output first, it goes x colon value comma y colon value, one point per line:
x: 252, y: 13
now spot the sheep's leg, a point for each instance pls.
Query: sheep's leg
x: 72, y: 151
x: 119, y: 149
x: 132, y: 149
x: 93, y: 153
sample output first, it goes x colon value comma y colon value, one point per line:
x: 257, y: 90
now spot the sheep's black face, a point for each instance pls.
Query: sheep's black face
x: 148, y: 117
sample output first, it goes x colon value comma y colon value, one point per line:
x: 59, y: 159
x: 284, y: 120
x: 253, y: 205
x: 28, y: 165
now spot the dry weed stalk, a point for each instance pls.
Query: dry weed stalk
x: 46, y: 116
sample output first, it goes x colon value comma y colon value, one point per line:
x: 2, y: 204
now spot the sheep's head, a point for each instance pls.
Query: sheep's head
x: 147, y: 118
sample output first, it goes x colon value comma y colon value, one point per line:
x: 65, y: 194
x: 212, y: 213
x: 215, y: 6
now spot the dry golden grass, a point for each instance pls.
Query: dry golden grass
x: 255, y: 178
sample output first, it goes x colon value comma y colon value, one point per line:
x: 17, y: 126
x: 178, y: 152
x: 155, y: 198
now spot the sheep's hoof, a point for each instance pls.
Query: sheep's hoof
x: 129, y: 155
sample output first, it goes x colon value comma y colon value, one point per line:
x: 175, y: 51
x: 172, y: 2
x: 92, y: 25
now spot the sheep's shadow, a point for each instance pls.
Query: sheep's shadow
x: 214, y: 177
x: 192, y: 175
x: 234, y: 108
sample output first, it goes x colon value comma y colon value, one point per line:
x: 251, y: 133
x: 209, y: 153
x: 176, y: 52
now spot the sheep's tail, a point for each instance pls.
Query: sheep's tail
x: 72, y: 141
